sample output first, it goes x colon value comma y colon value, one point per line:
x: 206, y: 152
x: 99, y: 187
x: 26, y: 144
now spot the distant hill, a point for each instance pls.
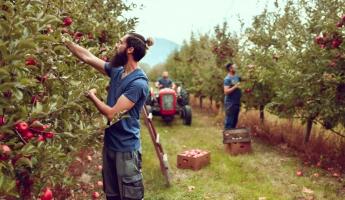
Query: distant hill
x: 159, y: 52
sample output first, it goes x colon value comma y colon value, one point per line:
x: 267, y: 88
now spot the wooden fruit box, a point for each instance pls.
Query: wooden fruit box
x: 236, y: 148
x: 194, y: 159
x: 236, y: 135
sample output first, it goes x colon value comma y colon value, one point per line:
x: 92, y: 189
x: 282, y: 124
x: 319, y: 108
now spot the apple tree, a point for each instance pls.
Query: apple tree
x: 44, y: 116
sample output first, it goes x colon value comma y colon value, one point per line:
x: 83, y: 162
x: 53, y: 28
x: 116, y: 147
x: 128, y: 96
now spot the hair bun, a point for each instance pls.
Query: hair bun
x: 149, y: 41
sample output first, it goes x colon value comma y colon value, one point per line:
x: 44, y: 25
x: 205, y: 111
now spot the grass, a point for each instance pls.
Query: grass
x: 267, y: 173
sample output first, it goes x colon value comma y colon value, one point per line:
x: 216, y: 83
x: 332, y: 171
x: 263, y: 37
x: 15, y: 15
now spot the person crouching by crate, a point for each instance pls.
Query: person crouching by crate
x: 232, y: 92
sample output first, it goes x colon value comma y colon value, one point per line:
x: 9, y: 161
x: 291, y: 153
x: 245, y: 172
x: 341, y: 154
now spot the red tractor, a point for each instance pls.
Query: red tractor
x: 168, y: 102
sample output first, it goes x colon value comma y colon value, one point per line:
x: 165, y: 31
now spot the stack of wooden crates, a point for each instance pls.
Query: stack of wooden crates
x: 237, y: 141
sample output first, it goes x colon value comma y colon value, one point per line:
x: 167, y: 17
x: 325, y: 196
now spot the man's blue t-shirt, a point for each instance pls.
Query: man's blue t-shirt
x: 234, y: 98
x: 167, y: 83
x: 124, y: 135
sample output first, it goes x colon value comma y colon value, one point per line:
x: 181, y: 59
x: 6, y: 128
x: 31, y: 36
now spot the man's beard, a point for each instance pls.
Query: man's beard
x: 119, y: 59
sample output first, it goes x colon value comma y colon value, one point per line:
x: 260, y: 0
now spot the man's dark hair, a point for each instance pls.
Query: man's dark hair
x: 228, y: 66
x: 139, y: 44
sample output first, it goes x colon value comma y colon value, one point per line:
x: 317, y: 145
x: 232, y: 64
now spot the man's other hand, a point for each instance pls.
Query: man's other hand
x: 90, y: 92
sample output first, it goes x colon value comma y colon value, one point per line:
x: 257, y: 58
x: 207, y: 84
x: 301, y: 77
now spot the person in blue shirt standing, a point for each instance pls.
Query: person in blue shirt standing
x: 122, y: 177
x: 232, y: 99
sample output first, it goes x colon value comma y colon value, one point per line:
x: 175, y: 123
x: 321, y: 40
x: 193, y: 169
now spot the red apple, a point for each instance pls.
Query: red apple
x: 77, y: 36
x: 335, y: 174
x: 47, y: 194
x: 38, y: 126
x: 336, y: 42
x: 319, y: 39
x: 67, y: 21
x: 18, y: 183
x: 7, y: 94
x: 95, y: 195
x: 15, y: 159
x: 49, y: 135
x: 28, y: 135
x: 299, y: 173
x: 99, y: 183
x: 42, y: 78
x: 2, y: 120
x: 318, y: 164
x: 22, y: 127
x: 339, y: 24
x: 248, y: 90
x: 5, y: 149
x: 90, y: 36
x: 103, y: 37
x: 30, y: 61
x: 40, y: 138
x: 34, y: 100
x: 99, y: 167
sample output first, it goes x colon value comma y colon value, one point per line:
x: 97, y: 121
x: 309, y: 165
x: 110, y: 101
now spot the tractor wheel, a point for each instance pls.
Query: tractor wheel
x: 187, y: 115
x: 185, y: 97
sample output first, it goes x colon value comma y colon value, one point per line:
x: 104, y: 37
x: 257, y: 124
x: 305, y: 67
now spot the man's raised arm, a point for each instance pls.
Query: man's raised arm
x: 86, y: 56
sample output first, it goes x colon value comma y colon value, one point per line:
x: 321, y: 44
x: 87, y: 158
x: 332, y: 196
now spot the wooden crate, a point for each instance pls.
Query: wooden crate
x: 194, y: 159
x: 236, y: 148
x: 236, y: 135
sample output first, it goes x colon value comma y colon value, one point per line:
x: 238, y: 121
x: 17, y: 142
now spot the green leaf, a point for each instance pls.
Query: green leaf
x: 30, y: 19
x: 9, y: 85
x: 27, y: 82
x: 68, y: 126
x: 40, y: 38
x: 18, y: 94
x: 29, y: 149
x: 50, y: 19
x: 10, y: 186
x: 75, y: 83
x: 23, y: 161
x: 81, y: 125
x: 3, y: 47
x: 68, y: 134
x: 38, y: 108
x: 60, y: 48
x: 4, y: 72
x: 2, y: 180
x: 75, y: 105
x: 26, y: 44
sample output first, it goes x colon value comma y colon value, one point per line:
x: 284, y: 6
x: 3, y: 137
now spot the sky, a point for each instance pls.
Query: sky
x: 176, y: 19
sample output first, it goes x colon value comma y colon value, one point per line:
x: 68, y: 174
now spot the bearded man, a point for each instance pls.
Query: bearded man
x: 122, y: 177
